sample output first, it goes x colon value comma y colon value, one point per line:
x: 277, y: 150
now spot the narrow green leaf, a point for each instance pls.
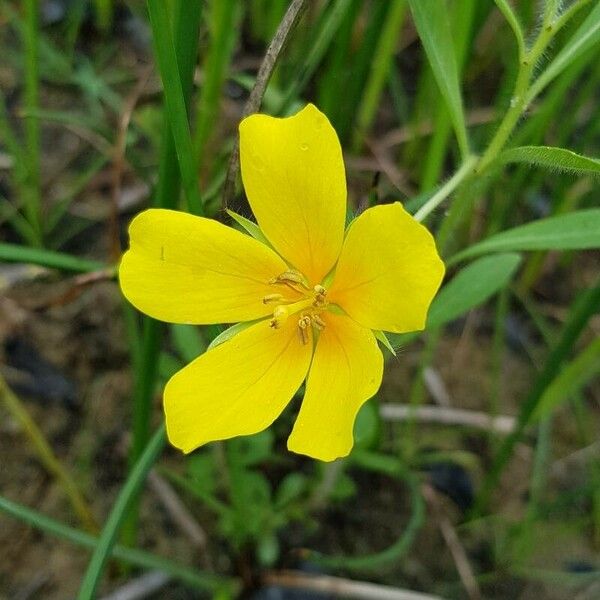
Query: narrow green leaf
x: 222, y: 17
x: 582, y: 310
x: 558, y: 159
x: 189, y: 575
x: 432, y: 20
x: 471, y: 287
x: 249, y: 226
x: 380, y: 67
x: 578, y: 230
x: 109, y: 534
x: 48, y: 258
x: 166, y: 58
x: 586, y: 36
x: 570, y: 380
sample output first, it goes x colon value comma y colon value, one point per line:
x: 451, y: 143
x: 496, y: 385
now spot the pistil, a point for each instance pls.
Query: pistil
x: 313, y: 302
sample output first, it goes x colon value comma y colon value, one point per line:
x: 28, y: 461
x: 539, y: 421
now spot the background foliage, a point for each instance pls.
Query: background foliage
x: 482, y: 117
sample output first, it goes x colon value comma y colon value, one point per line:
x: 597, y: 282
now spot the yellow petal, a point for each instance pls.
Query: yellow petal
x: 346, y: 371
x: 389, y: 270
x: 238, y: 388
x: 186, y: 269
x: 294, y: 177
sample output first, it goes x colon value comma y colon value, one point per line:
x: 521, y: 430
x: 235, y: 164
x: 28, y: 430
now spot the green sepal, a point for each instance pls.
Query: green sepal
x: 250, y: 227
x: 231, y: 332
x: 384, y: 340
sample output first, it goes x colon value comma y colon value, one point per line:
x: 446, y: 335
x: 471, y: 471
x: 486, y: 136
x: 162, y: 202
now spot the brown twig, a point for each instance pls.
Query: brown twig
x: 289, y: 21
x: 144, y: 586
x: 448, y: 416
x: 461, y: 560
x: 340, y: 587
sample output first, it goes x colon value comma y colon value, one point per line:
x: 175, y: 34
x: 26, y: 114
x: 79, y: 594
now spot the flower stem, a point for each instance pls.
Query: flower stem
x: 521, y: 97
x: 465, y: 170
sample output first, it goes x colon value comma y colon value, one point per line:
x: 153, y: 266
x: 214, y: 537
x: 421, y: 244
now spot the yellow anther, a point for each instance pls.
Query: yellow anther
x: 303, y: 326
x: 320, y: 296
x: 318, y: 322
x: 290, y: 277
x: 272, y: 298
x: 304, y: 322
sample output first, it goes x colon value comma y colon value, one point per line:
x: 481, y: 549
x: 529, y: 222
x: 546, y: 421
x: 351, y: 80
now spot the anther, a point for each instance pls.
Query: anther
x: 303, y: 325
x: 293, y: 277
x: 320, y: 296
x: 272, y: 298
x: 319, y: 323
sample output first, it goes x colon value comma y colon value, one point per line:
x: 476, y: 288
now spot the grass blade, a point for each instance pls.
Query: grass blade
x: 578, y: 230
x: 110, y: 532
x: 432, y: 21
x: 382, y: 61
x: 146, y: 560
x: 583, y: 309
x: 166, y: 58
x: 570, y: 380
x: 586, y: 36
x: 48, y: 258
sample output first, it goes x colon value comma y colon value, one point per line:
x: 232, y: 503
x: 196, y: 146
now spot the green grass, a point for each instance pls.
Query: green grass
x: 511, y: 200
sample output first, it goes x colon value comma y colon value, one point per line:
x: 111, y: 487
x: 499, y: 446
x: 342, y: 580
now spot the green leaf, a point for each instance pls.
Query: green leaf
x: 582, y: 40
x: 558, y: 159
x: 187, y: 340
x: 146, y: 560
x: 249, y: 226
x: 570, y: 380
x: 432, y: 20
x: 291, y: 488
x: 48, y: 258
x: 166, y: 58
x: 109, y: 534
x: 251, y: 450
x: 471, y: 287
x: 367, y: 426
x: 578, y: 230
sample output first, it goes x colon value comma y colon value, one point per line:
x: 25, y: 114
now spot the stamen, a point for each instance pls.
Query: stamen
x: 290, y: 277
x: 320, y: 296
x: 272, y: 298
x: 303, y: 325
x: 280, y: 315
x: 318, y: 322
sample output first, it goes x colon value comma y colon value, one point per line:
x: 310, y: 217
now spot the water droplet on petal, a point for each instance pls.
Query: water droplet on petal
x: 304, y: 146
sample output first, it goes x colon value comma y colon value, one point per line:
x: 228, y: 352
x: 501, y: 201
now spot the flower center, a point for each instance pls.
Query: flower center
x: 308, y: 308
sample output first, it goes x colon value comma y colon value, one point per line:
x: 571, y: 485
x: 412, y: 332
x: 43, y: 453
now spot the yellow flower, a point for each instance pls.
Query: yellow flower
x: 317, y: 292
